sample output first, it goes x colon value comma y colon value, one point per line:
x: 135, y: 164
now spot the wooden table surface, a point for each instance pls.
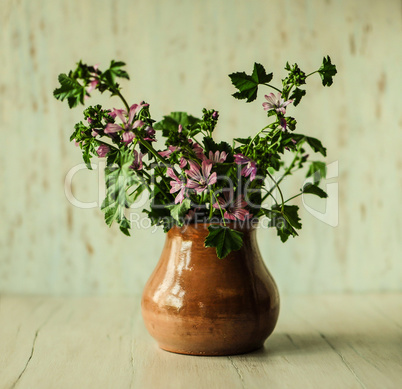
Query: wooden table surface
x: 338, y: 341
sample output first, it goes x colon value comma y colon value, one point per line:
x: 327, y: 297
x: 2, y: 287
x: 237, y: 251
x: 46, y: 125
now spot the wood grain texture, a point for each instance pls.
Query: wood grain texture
x: 179, y: 54
x: 348, y: 341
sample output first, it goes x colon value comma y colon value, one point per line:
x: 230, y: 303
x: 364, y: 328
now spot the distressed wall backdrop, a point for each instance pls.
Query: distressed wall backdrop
x: 179, y: 54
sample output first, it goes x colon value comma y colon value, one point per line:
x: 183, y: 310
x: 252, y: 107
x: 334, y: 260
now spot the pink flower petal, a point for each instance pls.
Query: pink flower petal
x: 128, y: 137
x: 183, y: 162
x: 206, y: 168
x: 112, y: 128
x: 138, y: 123
x: 102, y: 150
x: 212, y: 179
x: 170, y: 173
x: 120, y: 113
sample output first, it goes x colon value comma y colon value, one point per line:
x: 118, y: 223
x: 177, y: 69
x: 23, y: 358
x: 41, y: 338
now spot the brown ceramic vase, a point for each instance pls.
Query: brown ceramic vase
x: 195, y: 303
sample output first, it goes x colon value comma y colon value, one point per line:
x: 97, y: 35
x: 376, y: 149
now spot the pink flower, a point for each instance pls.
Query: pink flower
x: 150, y: 134
x: 112, y: 114
x: 177, y: 185
x: 92, y: 85
x: 137, y: 163
x: 233, y: 209
x: 128, y: 125
x: 180, y: 129
x: 217, y: 157
x: 183, y: 162
x: 283, y: 124
x: 170, y: 150
x: 102, y: 150
x: 200, y: 179
x: 198, y: 150
x: 251, y: 167
x: 276, y: 102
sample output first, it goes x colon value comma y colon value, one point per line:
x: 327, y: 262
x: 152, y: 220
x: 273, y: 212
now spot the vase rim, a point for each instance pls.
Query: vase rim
x: 246, y: 225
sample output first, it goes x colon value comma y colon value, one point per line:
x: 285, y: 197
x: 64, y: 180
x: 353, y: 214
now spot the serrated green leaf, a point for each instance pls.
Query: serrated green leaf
x: 243, y: 141
x: 327, y: 71
x: 118, y: 180
x: 316, y: 145
x: 285, y: 221
x: 291, y: 214
x: 69, y: 89
x: 259, y: 75
x: 315, y: 190
x: 317, y: 170
x: 171, y: 122
x: 248, y: 85
x: 114, y: 72
x: 125, y: 226
x: 297, y: 95
x: 224, y: 239
x: 211, y: 145
x: 178, y: 211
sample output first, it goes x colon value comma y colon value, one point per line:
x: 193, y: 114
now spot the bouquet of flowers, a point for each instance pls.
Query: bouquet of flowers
x: 193, y: 178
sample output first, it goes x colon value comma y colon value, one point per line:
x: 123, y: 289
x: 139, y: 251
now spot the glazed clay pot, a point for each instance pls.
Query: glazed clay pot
x: 195, y: 303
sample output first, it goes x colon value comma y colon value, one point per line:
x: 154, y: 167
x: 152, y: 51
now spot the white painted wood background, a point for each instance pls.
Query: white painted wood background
x: 179, y: 54
x: 330, y: 342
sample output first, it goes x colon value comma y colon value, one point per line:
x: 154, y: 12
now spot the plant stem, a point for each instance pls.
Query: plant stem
x: 293, y: 197
x: 290, y: 167
x: 211, y: 209
x: 255, y: 137
x: 220, y: 209
x: 308, y: 75
x: 287, y: 172
x: 269, y: 194
x: 152, y: 151
x: 273, y: 87
x: 279, y: 189
x: 122, y: 98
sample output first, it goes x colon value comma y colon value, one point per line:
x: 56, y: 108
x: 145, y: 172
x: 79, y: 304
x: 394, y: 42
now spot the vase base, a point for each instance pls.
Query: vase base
x: 212, y: 353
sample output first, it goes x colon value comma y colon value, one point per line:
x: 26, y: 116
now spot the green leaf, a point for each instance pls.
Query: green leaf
x: 118, y: 181
x: 297, y: 95
x: 170, y: 123
x: 260, y: 75
x: 125, y: 226
x: 114, y: 72
x: 178, y: 211
x: 318, y: 170
x: 327, y: 71
x: 211, y: 145
x: 248, y: 85
x: 316, y: 145
x: 224, y: 239
x: 271, y: 170
x: 243, y: 141
x: 290, y: 212
x: 315, y: 190
x: 285, y: 222
x: 160, y: 216
x: 69, y: 89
